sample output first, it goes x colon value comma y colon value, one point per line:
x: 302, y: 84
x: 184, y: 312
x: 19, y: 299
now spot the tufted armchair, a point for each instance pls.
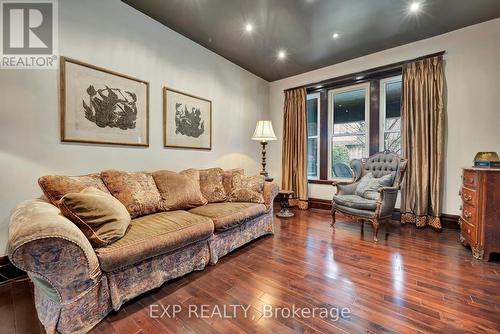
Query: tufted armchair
x: 375, y: 206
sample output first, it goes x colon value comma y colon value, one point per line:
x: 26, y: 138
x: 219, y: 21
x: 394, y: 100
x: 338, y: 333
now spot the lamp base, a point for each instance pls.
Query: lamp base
x: 266, y: 176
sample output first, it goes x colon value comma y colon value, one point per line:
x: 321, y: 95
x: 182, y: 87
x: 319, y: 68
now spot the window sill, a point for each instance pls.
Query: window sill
x: 328, y: 182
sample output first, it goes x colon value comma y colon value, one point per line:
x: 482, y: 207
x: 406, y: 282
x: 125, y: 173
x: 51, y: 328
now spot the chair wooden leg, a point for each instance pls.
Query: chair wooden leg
x: 375, y: 224
x: 333, y: 218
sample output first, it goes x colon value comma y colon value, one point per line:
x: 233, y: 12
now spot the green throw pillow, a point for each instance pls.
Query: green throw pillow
x: 101, y: 217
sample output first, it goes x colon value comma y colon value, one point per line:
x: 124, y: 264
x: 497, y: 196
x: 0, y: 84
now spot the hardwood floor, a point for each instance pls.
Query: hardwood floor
x: 411, y: 281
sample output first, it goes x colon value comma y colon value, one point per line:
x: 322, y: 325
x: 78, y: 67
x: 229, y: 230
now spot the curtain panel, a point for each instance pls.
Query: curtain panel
x: 294, y: 164
x: 423, y: 121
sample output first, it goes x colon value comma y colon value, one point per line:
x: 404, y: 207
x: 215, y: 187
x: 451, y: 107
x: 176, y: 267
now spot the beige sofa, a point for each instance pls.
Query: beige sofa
x: 76, y: 285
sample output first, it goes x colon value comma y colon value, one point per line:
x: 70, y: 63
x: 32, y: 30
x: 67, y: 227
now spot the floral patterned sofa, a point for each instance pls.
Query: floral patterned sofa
x: 76, y: 284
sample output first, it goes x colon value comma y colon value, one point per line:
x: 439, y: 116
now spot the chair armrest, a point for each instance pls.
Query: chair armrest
x: 271, y: 190
x: 387, y: 200
x: 55, y: 253
x: 345, y: 187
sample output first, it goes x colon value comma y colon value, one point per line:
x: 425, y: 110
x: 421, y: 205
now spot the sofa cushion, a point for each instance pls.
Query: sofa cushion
x: 211, y: 185
x: 355, y: 212
x: 228, y: 176
x: 355, y: 202
x: 137, y: 191
x: 229, y: 214
x: 55, y: 187
x: 154, y: 235
x: 101, y: 217
x: 179, y: 190
x: 369, y: 185
x: 247, y: 189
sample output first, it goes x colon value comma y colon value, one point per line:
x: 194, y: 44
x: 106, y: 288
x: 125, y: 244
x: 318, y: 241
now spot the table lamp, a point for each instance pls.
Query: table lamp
x: 264, y: 132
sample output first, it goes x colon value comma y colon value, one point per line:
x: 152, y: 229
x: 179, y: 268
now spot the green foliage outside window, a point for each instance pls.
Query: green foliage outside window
x: 341, y: 154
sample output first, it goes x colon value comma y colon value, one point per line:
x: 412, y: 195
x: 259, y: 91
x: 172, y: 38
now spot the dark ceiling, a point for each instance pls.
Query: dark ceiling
x: 304, y: 28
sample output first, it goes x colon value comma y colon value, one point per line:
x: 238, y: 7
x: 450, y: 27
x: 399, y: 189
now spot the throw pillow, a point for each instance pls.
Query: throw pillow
x: 179, y: 190
x: 101, y: 217
x: 368, y: 186
x: 211, y: 185
x: 137, y: 191
x: 227, y: 178
x: 55, y: 187
x: 247, y: 189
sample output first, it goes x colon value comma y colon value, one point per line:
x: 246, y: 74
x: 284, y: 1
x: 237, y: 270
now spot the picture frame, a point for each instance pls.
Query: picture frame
x: 187, y: 120
x: 100, y: 106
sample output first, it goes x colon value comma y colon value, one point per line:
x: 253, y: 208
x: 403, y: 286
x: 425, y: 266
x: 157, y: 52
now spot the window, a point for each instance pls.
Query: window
x: 348, y: 115
x: 313, y: 136
x: 390, y: 114
x: 352, y: 117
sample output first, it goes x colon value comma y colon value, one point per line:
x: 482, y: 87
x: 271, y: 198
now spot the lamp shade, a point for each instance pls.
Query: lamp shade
x: 264, y: 131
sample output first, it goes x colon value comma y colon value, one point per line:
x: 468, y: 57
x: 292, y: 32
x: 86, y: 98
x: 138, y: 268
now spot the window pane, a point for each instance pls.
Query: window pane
x: 348, y: 128
x: 312, y: 117
x: 393, y: 124
x: 349, y: 107
x: 392, y: 142
x: 312, y: 157
x: 344, y: 149
x: 393, y: 99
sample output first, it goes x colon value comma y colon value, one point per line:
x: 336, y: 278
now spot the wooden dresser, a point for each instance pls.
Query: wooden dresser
x: 480, y: 217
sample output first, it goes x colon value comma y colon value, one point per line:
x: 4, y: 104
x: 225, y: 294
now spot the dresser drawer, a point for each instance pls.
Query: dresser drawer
x: 469, y: 214
x: 469, y: 196
x: 468, y: 232
x: 470, y: 179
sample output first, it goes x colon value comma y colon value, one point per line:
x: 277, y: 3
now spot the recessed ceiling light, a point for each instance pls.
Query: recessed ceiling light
x: 281, y: 54
x: 248, y: 27
x: 335, y: 35
x: 415, y: 7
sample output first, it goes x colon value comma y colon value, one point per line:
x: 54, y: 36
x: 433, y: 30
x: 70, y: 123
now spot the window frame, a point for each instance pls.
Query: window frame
x: 382, y: 112
x: 331, y: 120
x: 318, y: 133
x: 371, y: 77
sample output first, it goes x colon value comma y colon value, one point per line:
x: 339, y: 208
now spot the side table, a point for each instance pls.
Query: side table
x: 284, y: 212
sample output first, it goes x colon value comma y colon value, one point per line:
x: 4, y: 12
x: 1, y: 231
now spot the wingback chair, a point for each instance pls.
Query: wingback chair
x: 380, y: 204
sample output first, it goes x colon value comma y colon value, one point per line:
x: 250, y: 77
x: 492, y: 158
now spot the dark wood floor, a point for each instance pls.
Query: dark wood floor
x: 412, y: 281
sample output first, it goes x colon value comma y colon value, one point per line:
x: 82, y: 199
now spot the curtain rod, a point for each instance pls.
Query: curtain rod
x: 373, y: 70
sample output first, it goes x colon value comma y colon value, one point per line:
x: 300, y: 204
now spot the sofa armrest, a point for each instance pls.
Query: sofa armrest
x: 387, y: 200
x: 345, y: 188
x: 271, y: 190
x: 55, y: 253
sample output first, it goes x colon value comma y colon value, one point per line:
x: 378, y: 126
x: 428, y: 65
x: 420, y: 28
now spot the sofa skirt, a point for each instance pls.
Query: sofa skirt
x: 222, y: 243
x: 77, y: 316
x: 129, y: 282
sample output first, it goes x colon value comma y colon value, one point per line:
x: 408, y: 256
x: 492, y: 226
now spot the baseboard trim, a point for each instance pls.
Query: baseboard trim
x: 447, y: 221
x: 450, y: 221
x: 4, y: 260
x: 319, y: 203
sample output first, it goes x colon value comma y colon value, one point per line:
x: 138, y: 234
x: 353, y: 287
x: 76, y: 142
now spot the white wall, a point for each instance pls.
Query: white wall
x: 472, y: 73
x: 112, y: 35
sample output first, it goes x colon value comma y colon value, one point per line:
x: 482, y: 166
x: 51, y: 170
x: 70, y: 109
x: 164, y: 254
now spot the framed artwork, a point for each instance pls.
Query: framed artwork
x: 101, y: 106
x: 187, y: 120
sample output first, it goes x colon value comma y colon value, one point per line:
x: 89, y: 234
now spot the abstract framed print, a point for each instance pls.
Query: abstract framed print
x: 187, y: 120
x: 101, y: 106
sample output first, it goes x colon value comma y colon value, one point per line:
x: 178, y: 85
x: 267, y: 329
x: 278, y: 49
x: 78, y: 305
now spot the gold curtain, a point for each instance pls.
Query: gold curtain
x: 294, y: 164
x: 423, y: 130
